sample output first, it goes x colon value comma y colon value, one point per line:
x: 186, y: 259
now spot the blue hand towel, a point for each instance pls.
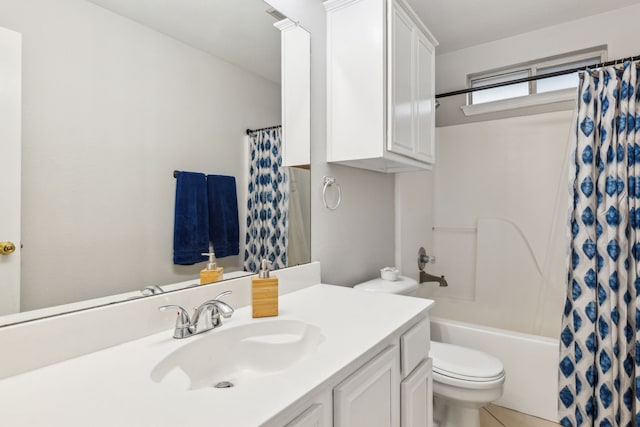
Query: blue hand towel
x: 224, y: 230
x: 191, y: 226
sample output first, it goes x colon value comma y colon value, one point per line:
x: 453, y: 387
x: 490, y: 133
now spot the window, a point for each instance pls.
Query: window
x: 543, y: 66
x: 503, y: 92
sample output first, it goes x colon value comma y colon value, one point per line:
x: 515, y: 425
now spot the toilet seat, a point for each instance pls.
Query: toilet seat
x: 465, y: 367
x: 465, y: 384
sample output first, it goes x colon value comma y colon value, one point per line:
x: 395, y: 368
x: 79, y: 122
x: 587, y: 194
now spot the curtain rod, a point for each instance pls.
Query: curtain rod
x: 250, y: 131
x: 538, y: 77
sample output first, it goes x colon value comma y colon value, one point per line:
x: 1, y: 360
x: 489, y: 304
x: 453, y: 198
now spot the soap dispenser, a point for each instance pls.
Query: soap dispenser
x: 264, y: 293
x: 212, y: 273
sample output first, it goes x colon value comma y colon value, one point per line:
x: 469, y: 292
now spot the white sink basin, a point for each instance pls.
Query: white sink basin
x: 238, y: 353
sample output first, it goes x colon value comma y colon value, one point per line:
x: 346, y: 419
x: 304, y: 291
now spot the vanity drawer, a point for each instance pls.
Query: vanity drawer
x: 414, y: 346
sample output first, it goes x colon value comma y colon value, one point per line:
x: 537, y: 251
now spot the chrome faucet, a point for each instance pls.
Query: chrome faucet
x: 152, y: 290
x: 426, y: 277
x: 207, y: 316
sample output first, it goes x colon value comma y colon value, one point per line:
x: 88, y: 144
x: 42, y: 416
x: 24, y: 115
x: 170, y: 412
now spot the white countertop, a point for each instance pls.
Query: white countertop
x: 113, y: 387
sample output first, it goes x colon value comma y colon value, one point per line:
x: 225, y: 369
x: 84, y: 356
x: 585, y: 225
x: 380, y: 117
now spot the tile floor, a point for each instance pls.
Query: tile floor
x: 497, y: 416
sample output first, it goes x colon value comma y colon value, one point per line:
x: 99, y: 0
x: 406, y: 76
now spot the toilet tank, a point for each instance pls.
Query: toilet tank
x: 403, y: 286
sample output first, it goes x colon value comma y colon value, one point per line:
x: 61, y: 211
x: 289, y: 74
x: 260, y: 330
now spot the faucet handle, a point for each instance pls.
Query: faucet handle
x: 183, y: 322
x: 223, y: 294
x: 223, y: 308
x: 218, y: 308
x: 424, y: 259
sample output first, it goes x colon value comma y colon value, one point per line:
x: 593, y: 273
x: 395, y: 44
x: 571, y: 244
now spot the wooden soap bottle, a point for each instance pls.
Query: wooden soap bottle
x: 212, y: 273
x: 264, y: 293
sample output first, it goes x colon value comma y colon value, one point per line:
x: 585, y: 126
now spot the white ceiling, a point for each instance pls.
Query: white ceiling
x: 463, y: 23
x: 241, y: 32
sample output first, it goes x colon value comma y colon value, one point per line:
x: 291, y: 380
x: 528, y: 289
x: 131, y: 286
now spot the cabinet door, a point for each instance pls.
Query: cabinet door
x: 312, y: 417
x: 425, y: 113
x: 401, y: 85
x: 416, y: 397
x: 370, y: 397
x: 296, y: 93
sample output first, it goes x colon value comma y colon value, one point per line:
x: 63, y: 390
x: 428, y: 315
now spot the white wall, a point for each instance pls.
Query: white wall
x: 617, y: 29
x: 98, y: 157
x: 355, y: 241
x: 414, y: 201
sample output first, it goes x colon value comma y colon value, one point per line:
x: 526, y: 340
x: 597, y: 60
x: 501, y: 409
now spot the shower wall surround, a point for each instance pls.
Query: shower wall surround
x: 499, y: 218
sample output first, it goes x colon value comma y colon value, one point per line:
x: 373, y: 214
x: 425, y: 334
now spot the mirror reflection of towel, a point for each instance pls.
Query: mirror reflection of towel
x: 191, y: 222
x: 224, y: 230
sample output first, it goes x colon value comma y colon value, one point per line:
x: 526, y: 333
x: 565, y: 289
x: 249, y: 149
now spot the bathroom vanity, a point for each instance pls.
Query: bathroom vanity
x: 334, y: 357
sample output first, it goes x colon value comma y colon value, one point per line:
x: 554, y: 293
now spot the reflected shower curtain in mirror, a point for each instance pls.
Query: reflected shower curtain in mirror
x: 599, y: 378
x: 267, y: 202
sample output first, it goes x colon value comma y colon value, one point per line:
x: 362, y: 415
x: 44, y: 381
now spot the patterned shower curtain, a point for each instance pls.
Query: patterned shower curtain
x: 267, y: 202
x: 599, y: 378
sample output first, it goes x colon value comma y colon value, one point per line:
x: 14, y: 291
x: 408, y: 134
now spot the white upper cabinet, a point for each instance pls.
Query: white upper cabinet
x: 380, y: 86
x: 296, y: 93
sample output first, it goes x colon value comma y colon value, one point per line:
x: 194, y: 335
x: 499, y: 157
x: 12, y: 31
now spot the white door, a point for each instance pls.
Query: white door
x: 10, y: 159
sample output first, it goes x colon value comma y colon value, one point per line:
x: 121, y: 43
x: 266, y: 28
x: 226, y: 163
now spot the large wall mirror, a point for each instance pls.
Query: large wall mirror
x: 116, y: 96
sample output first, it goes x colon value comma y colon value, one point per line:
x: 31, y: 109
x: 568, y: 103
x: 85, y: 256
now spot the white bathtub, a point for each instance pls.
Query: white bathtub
x: 530, y: 363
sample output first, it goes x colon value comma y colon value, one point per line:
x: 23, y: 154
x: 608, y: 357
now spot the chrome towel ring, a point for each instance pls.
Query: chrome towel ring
x: 328, y: 181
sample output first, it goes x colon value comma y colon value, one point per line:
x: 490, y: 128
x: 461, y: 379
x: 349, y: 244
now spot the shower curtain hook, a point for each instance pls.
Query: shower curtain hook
x: 328, y: 181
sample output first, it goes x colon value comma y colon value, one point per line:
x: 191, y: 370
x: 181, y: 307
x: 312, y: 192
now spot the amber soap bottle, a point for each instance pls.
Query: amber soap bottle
x: 264, y: 293
x: 212, y: 273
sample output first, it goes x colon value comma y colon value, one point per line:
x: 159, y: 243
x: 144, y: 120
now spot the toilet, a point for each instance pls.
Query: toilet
x: 464, y: 380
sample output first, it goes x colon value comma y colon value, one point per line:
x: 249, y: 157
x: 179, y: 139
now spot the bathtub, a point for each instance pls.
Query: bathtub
x: 530, y: 363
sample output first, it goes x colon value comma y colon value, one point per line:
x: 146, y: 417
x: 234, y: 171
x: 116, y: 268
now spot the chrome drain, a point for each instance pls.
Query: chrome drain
x: 224, y: 384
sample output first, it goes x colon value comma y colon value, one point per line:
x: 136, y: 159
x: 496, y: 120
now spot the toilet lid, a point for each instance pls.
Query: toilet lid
x: 464, y: 363
x: 403, y: 285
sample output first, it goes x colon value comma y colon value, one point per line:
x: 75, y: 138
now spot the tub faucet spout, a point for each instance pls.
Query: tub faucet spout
x: 426, y: 277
